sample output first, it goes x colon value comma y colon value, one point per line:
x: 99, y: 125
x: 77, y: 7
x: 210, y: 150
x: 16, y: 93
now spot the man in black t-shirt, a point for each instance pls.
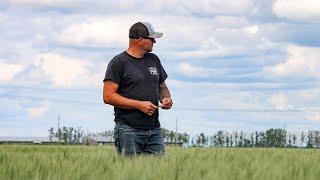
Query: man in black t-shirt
x: 134, y: 83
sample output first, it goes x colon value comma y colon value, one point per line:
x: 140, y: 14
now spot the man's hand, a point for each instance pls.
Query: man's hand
x: 147, y: 107
x: 166, y: 103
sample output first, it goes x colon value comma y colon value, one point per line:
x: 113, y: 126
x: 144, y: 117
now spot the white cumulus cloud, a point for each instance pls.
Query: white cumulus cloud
x: 8, y: 71
x: 303, y: 62
x: 39, y: 111
x: 96, y: 32
x: 189, y: 70
x: 298, y: 10
x: 280, y: 101
x: 64, y: 71
x: 49, y: 3
x: 252, y: 30
x: 314, y: 116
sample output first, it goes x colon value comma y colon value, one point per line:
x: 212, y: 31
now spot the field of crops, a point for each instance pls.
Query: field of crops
x: 96, y: 162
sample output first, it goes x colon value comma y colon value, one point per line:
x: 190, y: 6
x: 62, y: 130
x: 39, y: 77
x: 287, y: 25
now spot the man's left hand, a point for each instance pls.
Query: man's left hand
x: 166, y: 103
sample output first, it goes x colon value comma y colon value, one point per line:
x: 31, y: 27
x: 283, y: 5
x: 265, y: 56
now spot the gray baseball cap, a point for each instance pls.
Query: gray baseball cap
x: 143, y: 29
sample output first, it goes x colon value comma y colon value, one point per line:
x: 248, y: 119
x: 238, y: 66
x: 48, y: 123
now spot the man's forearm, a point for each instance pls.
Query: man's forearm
x: 117, y: 100
x: 164, y: 91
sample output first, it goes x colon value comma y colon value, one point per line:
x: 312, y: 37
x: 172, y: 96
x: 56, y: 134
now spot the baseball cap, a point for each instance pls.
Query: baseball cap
x: 143, y: 29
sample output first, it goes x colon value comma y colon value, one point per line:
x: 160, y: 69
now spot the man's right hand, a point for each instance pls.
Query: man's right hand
x: 147, y: 107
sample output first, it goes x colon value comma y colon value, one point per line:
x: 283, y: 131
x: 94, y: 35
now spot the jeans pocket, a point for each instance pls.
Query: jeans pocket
x: 125, y: 128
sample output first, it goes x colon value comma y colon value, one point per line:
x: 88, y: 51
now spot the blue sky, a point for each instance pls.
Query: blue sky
x: 219, y: 55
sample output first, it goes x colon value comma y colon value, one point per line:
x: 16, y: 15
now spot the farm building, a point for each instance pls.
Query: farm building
x: 27, y: 140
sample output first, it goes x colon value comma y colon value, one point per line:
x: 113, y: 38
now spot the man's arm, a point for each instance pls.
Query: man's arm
x: 110, y: 96
x: 165, y: 96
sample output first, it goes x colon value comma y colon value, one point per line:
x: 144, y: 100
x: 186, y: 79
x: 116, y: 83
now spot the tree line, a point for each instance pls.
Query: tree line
x: 270, y: 138
x: 68, y: 135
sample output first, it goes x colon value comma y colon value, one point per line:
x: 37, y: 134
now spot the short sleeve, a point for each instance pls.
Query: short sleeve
x: 114, y: 71
x: 163, y: 74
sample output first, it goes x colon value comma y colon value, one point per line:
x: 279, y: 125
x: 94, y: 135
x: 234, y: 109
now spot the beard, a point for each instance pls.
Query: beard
x: 148, y: 49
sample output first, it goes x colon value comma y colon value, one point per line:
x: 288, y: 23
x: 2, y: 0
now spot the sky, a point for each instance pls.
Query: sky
x: 228, y: 63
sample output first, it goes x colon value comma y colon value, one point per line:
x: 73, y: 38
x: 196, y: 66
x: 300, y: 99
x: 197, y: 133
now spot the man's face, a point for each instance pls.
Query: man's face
x: 147, y: 44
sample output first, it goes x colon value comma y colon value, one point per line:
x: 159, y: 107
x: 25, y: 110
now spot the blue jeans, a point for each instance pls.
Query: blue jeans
x: 130, y: 141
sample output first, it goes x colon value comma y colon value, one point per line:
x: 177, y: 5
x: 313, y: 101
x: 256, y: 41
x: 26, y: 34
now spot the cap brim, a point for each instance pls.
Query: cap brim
x: 156, y: 35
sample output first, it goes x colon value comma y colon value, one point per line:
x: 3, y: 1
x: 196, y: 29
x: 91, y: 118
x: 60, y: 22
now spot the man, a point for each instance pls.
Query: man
x: 134, y: 83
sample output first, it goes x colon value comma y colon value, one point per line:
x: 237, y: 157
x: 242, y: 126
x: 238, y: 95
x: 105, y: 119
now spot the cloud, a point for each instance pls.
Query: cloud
x: 302, y: 63
x: 244, y: 96
x: 96, y: 32
x: 309, y: 95
x: 229, y: 54
x: 112, y: 31
x: 308, y: 10
x: 313, y: 116
x: 209, y: 72
x: 228, y: 86
x: 39, y: 111
x: 2, y: 91
x: 49, y: 3
x: 177, y: 7
x: 63, y: 71
x: 252, y: 30
x: 221, y: 42
x: 189, y: 70
x: 210, y: 7
x: 206, y: 37
x: 280, y: 101
x: 8, y: 71
x: 2, y: 17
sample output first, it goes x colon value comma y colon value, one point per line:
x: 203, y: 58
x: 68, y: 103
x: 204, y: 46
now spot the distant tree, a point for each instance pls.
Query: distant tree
x: 252, y: 140
x: 70, y: 135
x: 185, y: 138
x: 171, y: 136
x: 231, y: 140
x: 275, y: 138
x: 241, y: 139
x: 192, y: 142
x: 211, y: 141
x: 51, y: 134
x: 310, y: 141
x: 74, y: 136
x: 246, y: 142
x: 65, y: 134
x: 236, y: 138
x: 59, y: 134
x: 165, y: 134
x: 219, y: 138
x: 289, y: 140
x: 316, y: 139
x: 227, y: 140
x: 294, y: 138
x: 303, y: 136
x: 257, y: 139
x: 262, y: 139
x: 79, y: 135
x: 201, y: 139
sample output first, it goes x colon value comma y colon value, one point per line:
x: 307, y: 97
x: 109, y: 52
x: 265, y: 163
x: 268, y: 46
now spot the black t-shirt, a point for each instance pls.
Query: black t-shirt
x: 139, y: 79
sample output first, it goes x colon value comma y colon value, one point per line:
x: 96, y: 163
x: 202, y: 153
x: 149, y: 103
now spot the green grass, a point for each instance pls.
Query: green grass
x: 95, y: 162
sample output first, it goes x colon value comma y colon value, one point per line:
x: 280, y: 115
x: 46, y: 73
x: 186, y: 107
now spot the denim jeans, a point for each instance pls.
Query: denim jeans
x: 130, y: 141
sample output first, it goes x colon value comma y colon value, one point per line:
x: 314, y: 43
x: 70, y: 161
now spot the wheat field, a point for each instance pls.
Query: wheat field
x: 101, y: 162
